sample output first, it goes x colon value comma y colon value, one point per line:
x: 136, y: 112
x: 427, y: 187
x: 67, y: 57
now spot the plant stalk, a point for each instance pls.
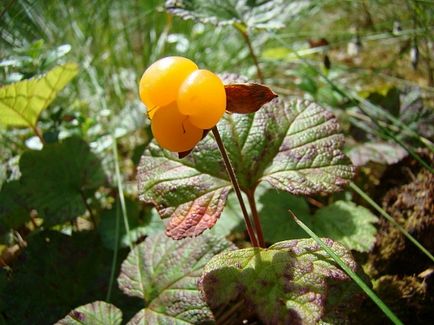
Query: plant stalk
x: 236, y: 186
x: 246, y: 37
x: 255, y: 214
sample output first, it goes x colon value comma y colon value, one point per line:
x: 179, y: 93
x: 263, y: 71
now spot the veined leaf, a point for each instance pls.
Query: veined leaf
x: 59, y: 177
x: 284, y: 284
x: 96, y: 313
x: 379, y: 152
x: 253, y: 14
x: 54, y: 274
x: 347, y: 223
x: 22, y: 102
x: 164, y: 273
x: 14, y: 206
x: 343, y: 221
x: 292, y: 144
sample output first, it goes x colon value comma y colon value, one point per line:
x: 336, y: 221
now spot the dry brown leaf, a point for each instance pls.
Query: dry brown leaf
x: 247, y: 98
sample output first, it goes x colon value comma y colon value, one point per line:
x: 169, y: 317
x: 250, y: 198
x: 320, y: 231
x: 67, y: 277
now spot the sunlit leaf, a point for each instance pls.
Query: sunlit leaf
x: 96, y: 313
x: 59, y: 178
x: 22, y: 102
x: 292, y: 144
x: 379, y: 152
x: 231, y: 218
x: 164, y: 273
x: 348, y: 224
x: 257, y: 14
x: 284, y: 284
x: 342, y: 221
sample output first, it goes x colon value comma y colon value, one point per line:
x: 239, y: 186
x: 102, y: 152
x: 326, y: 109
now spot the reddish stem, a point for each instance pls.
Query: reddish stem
x: 236, y: 186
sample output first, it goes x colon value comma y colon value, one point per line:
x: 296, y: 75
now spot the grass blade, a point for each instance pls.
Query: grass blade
x: 350, y: 272
x: 115, y: 256
x: 366, y: 197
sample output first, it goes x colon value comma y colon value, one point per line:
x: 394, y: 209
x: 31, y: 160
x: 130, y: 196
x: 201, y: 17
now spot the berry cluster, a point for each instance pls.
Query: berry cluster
x: 182, y: 101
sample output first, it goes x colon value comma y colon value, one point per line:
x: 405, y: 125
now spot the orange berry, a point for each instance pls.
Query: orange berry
x: 160, y: 83
x: 202, y: 96
x: 173, y: 130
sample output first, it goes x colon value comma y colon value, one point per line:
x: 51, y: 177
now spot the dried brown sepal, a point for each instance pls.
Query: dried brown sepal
x: 247, y: 98
x: 186, y: 153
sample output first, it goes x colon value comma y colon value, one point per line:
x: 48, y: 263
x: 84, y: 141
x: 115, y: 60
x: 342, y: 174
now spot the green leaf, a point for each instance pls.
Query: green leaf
x: 347, y: 223
x: 140, y: 225
x: 253, y: 14
x: 164, y: 273
x: 292, y: 144
x: 22, y: 102
x: 284, y: 284
x: 273, y: 208
x: 53, y: 275
x: 59, y: 178
x: 342, y: 221
x: 14, y: 206
x: 98, y: 312
x: 379, y: 152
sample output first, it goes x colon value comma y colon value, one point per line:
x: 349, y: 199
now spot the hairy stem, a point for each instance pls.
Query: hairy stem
x: 255, y: 214
x: 246, y: 38
x: 236, y: 186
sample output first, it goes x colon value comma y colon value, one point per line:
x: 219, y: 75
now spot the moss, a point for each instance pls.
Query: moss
x: 394, y: 261
x: 409, y: 291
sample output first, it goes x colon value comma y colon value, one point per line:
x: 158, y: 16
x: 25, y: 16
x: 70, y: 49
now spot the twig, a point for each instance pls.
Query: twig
x: 236, y: 186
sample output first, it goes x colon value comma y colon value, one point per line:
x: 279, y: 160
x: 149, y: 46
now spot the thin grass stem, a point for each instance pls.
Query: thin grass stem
x: 121, y: 192
x: 371, y: 294
x: 115, y: 255
x: 366, y: 197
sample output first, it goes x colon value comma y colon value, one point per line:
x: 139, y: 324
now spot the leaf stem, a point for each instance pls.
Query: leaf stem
x: 366, y: 197
x: 255, y: 214
x: 236, y: 186
x: 350, y: 272
x: 38, y: 133
x: 89, y: 209
x: 243, y: 32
